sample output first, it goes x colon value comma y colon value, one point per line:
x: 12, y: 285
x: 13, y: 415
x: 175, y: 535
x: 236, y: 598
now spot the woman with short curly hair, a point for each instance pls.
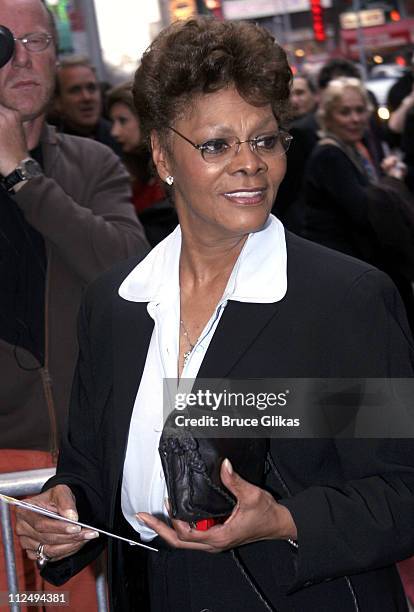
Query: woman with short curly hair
x: 199, y: 57
x: 295, y: 524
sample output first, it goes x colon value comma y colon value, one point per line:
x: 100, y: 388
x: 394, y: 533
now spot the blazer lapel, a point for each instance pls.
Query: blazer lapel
x: 132, y: 334
x: 240, y: 324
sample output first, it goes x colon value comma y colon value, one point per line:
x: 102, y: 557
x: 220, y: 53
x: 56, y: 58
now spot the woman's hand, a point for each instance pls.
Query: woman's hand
x: 256, y: 516
x: 393, y: 166
x: 59, y: 539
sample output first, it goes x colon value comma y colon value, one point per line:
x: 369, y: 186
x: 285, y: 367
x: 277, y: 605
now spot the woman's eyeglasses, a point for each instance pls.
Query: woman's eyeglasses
x: 35, y: 42
x: 222, y: 150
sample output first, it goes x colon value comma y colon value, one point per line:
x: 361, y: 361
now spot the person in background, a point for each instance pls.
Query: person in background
x: 407, y: 146
x: 65, y: 217
x: 146, y: 188
x: 149, y: 197
x: 399, y: 103
x: 305, y: 130
x: 230, y: 294
x: 290, y: 202
x: 401, y: 128
x: 289, y: 205
x: 350, y: 206
x: 335, y: 68
x: 398, y: 116
x: 402, y: 87
x: 303, y: 96
x: 77, y: 105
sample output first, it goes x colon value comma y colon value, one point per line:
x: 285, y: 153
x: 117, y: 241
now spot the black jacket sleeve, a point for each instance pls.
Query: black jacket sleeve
x: 80, y: 465
x: 364, y: 522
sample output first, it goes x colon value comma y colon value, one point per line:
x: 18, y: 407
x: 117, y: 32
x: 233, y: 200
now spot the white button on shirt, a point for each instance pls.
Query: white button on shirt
x: 259, y: 275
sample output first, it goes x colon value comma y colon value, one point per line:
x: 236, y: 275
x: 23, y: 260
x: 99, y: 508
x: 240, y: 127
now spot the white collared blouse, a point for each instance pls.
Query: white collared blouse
x: 259, y: 275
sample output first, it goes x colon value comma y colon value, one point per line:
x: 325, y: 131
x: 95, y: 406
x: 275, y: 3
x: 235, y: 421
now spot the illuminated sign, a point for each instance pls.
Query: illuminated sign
x: 366, y: 19
x: 248, y: 9
x: 317, y: 18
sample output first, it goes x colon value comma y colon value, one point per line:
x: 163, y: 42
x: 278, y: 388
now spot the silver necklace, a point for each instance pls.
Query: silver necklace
x: 187, y: 337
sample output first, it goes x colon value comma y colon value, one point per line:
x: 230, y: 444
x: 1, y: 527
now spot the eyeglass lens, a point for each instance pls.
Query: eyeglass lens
x: 220, y: 150
x: 35, y: 42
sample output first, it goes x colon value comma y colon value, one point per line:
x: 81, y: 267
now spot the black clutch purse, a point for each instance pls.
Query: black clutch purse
x: 192, y: 470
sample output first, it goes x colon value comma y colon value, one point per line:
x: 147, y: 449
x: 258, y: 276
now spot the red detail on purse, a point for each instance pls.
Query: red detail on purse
x: 205, y: 524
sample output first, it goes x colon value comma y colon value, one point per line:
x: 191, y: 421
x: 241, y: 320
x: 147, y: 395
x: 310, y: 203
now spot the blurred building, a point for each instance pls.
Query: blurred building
x: 78, y: 30
x: 306, y: 28
x: 312, y: 30
x: 385, y: 29
x: 114, y: 35
x: 126, y: 28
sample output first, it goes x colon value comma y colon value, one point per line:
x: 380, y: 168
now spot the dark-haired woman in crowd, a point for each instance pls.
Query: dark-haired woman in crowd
x: 149, y: 197
x: 146, y: 188
x: 230, y: 294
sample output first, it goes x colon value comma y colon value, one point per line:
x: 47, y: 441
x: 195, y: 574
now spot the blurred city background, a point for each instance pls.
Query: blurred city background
x: 379, y: 36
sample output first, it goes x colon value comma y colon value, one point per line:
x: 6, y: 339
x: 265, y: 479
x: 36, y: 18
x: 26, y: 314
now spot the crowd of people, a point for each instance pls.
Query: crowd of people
x: 343, y: 187
x: 198, y: 239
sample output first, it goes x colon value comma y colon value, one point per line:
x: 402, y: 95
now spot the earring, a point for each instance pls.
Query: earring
x: 169, y: 180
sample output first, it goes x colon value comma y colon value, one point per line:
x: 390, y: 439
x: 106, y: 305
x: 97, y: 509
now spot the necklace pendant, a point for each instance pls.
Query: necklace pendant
x: 186, y: 357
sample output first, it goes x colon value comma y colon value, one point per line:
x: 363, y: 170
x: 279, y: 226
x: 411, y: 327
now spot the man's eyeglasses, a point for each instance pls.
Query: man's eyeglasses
x: 222, y: 150
x: 35, y: 42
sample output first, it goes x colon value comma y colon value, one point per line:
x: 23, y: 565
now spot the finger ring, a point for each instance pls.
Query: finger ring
x: 41, y: 557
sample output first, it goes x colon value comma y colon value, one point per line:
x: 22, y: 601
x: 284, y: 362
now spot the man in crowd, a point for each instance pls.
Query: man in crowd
x: 303, y: 96
x: 65, y: 216
x: 78, y: 103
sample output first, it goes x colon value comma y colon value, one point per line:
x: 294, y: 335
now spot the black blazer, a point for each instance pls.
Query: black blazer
x: 352, y: 500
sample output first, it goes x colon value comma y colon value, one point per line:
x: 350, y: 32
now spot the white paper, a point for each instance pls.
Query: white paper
x: 54, y: 515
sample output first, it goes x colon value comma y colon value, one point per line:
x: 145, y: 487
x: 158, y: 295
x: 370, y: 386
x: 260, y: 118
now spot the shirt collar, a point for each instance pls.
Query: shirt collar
x: 260, y: 273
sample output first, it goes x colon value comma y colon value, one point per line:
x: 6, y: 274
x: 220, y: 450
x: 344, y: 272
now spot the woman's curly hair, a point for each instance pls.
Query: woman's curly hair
x: 201, y: 56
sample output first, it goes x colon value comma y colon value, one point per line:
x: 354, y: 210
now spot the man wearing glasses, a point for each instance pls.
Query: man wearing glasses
x: 65, y: 216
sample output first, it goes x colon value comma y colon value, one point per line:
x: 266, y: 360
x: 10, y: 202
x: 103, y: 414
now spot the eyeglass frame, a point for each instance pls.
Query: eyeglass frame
x: 24, y: 40
x: 253, y: 148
